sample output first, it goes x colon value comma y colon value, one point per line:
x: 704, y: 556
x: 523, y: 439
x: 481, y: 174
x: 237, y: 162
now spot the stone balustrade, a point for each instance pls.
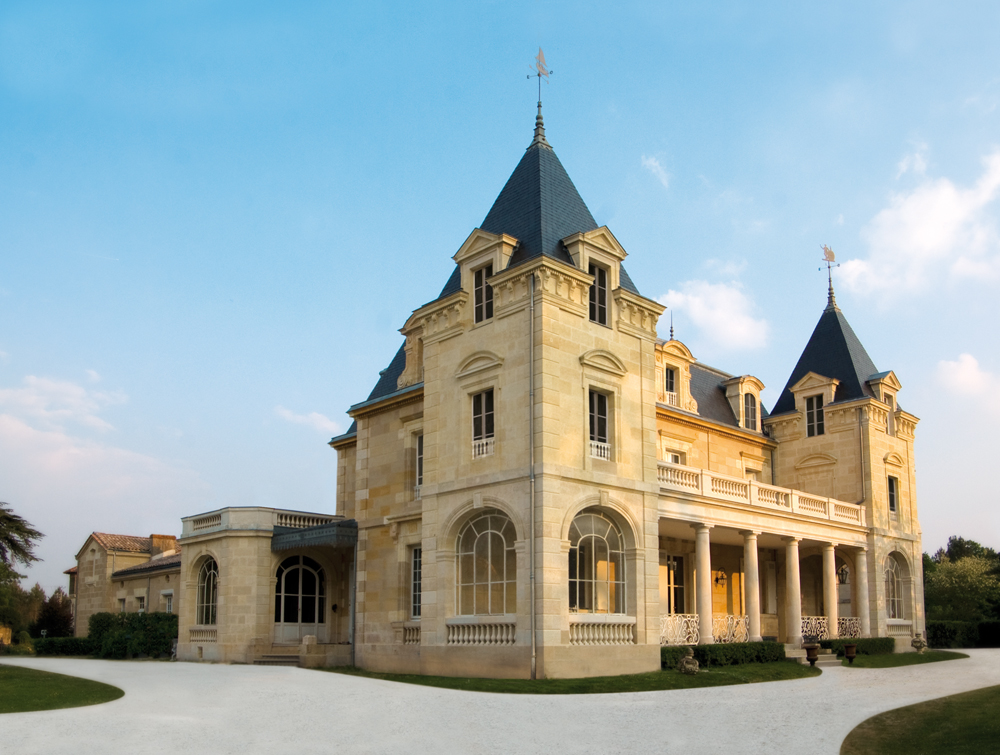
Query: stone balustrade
x: 481, y: 633
x: 411, y: 635
x: 684, y: 479
x: 484, y: 447
x: 601, y: 630
x: 600, y: 450
x: 204, y: 634
x: 899, y: 628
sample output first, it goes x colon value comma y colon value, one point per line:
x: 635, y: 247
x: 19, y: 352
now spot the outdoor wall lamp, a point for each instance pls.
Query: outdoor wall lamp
x: 720, y: 579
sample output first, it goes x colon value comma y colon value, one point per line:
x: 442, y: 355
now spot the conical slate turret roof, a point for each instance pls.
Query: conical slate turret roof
x: 833, y: 351
x: 539, y: 205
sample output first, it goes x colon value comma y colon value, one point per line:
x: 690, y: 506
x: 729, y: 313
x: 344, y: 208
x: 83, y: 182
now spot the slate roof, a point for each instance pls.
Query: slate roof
x: 707, y: 390
x: 123, y: 542
x: 167, y: 563
x: 833, y: 351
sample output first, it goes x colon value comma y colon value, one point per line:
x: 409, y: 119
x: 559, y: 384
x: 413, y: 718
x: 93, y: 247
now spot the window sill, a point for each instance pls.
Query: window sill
x: 495, y: 618
x: 601, y: 618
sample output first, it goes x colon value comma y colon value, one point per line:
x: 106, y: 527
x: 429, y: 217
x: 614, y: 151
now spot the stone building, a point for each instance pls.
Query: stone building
x: 120, y: 573
x: 538, y: 484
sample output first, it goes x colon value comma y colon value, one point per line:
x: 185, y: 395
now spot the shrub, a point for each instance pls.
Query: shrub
x: 65, y: 646
x: 866, y: 645
x: 739, y: 652
x: 670, y: 655
x: 99, y: 624
x: 23, y: 638
x: 953, y: 634
x: 16, y: 650
x: 115, y: 635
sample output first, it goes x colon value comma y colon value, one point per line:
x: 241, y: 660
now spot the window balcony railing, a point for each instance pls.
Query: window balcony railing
x: 701, y: 482
x: 670, y: 398
x: 600, y: 450
x: 483, y: 447
x: 416, y: 492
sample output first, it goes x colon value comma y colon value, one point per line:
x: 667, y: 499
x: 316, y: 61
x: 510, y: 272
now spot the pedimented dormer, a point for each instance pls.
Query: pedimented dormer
x: 482, y: 256
x: 743, y: 394
x: 673, y: 376
x: 599, y: 248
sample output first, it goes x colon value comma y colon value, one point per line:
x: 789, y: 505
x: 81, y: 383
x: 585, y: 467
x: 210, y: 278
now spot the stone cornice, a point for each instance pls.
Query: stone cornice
x: 675, y: 415
x: 392, y: 401
x: 637, y: 315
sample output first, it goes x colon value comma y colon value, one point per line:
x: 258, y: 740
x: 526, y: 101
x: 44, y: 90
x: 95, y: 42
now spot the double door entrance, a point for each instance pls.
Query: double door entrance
x: 299, y: 601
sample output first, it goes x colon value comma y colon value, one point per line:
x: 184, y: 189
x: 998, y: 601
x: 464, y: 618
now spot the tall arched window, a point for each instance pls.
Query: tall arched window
x: 299, y: 594
x: 596, y: 565
x: 487, y: 566
x: 893, y: 589
x: 750, y: 411
x: 208, y: 593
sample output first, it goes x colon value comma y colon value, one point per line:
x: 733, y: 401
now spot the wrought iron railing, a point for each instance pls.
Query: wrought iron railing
x: 679, y: 629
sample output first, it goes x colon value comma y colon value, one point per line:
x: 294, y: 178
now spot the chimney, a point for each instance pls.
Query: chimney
x: 161, y: 543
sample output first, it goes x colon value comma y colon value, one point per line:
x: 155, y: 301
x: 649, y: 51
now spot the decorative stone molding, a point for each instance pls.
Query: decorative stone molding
x: 603, y: 360
x: 637, y: 315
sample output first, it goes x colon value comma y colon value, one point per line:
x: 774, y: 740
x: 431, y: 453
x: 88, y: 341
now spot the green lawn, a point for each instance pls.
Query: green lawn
x: 717, y: 676
x: 966, y: 724
x: 25, y: 689
x: 893, y: 660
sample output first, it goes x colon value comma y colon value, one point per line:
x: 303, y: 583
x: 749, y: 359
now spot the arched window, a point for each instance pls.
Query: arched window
x: 893, y: 589
x: 487, y: 566
x: 208, y: 593
x: 750, y: 411
x: 299, y: 595
x: 596, y: 565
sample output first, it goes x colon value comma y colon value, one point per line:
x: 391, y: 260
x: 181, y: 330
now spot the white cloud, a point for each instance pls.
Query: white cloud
x: 966, y: 378
x: 53, y: 403
x: 722, y: 311
x: 840, y: 219
x: 915, y: 162
x: 93, y: 376
x: 314, y: 419
x: 937, y: 230
x: 653, y: 166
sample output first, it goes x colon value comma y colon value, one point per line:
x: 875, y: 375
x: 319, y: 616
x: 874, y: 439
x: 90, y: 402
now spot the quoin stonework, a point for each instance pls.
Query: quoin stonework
x: 536, y: 456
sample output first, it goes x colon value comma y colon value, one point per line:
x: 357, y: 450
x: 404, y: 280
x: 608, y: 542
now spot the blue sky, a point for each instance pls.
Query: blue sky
x: 214, y: 217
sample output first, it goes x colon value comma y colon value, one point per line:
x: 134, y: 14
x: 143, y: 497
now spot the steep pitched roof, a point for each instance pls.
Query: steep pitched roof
x: 123, y: 542
x: 833, y: 351
x: 539, y: 205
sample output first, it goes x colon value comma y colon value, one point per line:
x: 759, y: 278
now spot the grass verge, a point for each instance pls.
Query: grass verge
x: 968, y: 723
x: 26, y: 689
x: 717, y: 676
x: 904, y: 659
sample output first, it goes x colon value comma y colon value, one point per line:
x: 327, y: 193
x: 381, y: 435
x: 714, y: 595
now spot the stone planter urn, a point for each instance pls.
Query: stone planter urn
x: 811, y: 645
x: 850, y: 651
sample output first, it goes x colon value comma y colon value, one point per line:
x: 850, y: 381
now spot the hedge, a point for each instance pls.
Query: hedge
x: 65, y: 646
x: 725, y: 655
x: 118, y: 635
x: 866, y: 645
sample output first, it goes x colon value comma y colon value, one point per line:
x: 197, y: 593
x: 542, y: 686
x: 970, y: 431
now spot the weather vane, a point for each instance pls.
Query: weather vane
x: 829, y: 258
x: 540, y: 70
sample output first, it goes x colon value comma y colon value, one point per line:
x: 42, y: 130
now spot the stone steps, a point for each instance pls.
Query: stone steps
x: 277, y: 659
x: 826, y: 656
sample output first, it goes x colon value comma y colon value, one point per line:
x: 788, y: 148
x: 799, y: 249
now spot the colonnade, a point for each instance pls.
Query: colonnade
x: 793, y: 589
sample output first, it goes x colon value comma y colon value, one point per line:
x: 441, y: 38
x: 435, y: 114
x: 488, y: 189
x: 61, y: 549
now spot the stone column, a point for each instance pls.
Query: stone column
x: 830, y: 593
x: 751, y: 583
x: 793, y: 592
x: 861, y: 590
x: 703, y: 563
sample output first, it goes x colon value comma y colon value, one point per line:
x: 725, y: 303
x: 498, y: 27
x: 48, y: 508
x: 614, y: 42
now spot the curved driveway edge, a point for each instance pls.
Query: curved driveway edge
x: 201, y: 708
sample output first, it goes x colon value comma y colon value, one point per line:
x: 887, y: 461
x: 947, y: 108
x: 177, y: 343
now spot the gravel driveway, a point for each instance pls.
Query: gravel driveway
x: 191, y: 708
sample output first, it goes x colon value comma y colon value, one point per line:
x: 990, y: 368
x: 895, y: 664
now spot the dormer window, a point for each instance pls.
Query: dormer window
x: 814, y: 416
x: 670, y: 386
x: 750, y: 411
x: 483, y: 292
x: 599, y: 295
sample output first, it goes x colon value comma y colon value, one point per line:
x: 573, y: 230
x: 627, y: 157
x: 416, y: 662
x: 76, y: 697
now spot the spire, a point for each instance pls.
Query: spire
x: 539, y: 140
x: 829, y: 258
x: 671, y: 325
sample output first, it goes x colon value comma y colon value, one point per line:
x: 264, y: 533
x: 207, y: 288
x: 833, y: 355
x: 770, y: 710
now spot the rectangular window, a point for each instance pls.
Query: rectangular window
x: 482, y: 424
x: 670, y: 386
x: 600, y: 446
x: 121, y: 605
x: 140, y: 604
x: 420, y: 460
x: 169, y: 608
x: 599, y: 295
x: 673, y: 457
x: 750, y: 411
x: 814, y: 416
x: 483, y: 294
x: 675, y: 584
x: 416, y: 564
x: 893, y: 498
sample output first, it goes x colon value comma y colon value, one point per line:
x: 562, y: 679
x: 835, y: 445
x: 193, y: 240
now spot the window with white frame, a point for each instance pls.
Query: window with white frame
x: 486, y: 566
x: 750, y: 411
x: 208, y: 593
x: 596, y: 565
x: 893, y: 589
x: 670, y: 386
x: 673, y: 457
x: 483, y: 292
x: 418, y: 476
x: 674, y: 585
x: 600, y: 444
x: 482, y: 424
x: 814, y: 416
x: 599, y: 295
x: 416, y: 573
x: 168, y: 603
x: 300, y: 592
x: 140, y: 603
x: 893, y: 488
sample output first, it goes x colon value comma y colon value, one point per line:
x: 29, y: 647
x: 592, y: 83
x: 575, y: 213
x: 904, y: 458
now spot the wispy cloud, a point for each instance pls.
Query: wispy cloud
x: 964, y: 377
x: 314, y: 420
x: 915, y: 162
x: 653, y: 166
x: 93, y: 376
x: 51, y: 404
x: 937, y: 230
x: 721, y: 311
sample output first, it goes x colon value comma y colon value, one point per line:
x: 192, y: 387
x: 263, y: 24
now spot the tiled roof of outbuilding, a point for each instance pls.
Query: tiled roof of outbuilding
x: 833, y: 351
x: 122, y: 542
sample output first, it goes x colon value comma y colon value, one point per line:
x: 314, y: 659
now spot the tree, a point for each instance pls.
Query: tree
x: 55, y: 616
x: 962, y: 590
x: 17, y: 538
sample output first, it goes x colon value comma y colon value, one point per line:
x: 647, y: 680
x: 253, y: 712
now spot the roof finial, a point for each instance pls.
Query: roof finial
x: 540, y: 70
x: 671, y: 325
x: 829, y: 258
